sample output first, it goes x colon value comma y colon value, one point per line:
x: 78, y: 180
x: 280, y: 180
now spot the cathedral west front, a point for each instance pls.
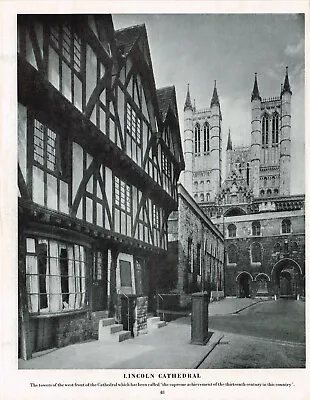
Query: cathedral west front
x: 262, y: 222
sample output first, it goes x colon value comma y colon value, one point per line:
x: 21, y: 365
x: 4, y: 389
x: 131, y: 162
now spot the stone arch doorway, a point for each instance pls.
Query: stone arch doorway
x: 286, y: 277
x: 244, y: 280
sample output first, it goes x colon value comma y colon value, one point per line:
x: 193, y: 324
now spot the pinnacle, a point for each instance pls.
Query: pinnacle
x: 215, y: 98
x: 229, y: 143
x: 286, y: 86
x: 255, y: 92
x: 188, y: 103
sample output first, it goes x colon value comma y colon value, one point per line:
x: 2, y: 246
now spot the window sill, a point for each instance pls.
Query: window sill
x: 58, y: 314
x: 256, y: 264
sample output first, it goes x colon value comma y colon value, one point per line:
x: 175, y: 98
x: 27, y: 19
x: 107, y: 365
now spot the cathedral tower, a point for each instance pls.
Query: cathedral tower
x: 202, y: 149
x: 215, y: 144
x: 188, y: 143
x: 255, y: 138
x: 285, y: 135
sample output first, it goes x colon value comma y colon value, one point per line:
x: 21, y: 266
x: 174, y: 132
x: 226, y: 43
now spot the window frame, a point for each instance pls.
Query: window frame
x: 78, y: 263
x: 232, y: 230
x: 286, y: 226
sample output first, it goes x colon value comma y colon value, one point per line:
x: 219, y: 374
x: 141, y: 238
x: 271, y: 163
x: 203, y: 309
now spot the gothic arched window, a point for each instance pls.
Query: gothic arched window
x: 256, y: 252
x: 232, y: 230
x: 277, y: 248
x: 286, y: 226
x: 265, y: 131
x: 206, y: 137
x: 256, y: 228
x: 275, y: 129
x: 232, y: 254
x: 248, y: 174
x: 197, y: 138
x: 202, y: 197
x: 208, y: 197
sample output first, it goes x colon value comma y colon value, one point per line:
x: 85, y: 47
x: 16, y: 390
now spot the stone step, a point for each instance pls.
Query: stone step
x: 161, y: 324
x: 123, y: 335
x: 104, y: 332
x: 107, y: 321
x: 153, y: 320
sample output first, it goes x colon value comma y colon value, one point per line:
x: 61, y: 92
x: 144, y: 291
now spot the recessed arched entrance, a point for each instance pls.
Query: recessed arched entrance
x: 286, y: 277
x: 244, y: 280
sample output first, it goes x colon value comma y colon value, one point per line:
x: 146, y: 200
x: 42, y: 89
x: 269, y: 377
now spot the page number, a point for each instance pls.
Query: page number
x: 162, y: 392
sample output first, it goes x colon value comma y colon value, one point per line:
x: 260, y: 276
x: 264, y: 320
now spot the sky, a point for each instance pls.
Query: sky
x: 229, y: 48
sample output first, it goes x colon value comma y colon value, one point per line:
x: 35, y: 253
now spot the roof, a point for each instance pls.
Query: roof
x: 166, y: 98
x: 127, y: 37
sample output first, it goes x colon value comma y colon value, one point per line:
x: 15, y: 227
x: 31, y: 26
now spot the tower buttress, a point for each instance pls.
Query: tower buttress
x: 215, y: 144
x: 285, y: 137
x: 255, y: 138
x: 188, y: 143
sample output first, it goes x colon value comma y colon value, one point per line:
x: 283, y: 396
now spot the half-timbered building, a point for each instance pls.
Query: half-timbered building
x: 98, y: 164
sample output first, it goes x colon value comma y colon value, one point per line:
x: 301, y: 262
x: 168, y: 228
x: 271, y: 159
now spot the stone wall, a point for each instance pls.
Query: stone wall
x: 140, y: 325
x: 196, y: 232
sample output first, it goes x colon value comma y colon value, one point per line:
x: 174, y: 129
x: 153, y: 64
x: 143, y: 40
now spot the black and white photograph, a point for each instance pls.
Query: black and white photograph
x: 160, y: 196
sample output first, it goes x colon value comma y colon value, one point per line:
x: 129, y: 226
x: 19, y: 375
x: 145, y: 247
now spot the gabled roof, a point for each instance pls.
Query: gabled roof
x: 166, y: 98
x: 127, y: 37
x: 167, y: 103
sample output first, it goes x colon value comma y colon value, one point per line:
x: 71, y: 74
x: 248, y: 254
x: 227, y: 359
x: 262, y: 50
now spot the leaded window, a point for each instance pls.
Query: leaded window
x: 51, y: 167
x: 123, y: 207
x: 122, y: 195
x: 55, y: 276
x: 133, y: 125
x: 65, y: 62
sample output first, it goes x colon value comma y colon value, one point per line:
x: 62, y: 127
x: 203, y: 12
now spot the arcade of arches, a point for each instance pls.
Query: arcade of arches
x: 286, y: 280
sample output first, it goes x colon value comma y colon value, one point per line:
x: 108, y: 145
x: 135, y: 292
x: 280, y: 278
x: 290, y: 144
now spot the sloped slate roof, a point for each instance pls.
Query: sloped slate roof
x: 166, y: 98
x: 127, y: 37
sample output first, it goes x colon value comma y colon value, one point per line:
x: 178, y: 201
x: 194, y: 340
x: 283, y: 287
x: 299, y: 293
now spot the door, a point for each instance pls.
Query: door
x: 285, y: 284
x: 99, y: 293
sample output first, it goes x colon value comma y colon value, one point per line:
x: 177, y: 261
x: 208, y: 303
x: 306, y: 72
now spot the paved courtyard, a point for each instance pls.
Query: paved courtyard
x: 247, y: 333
